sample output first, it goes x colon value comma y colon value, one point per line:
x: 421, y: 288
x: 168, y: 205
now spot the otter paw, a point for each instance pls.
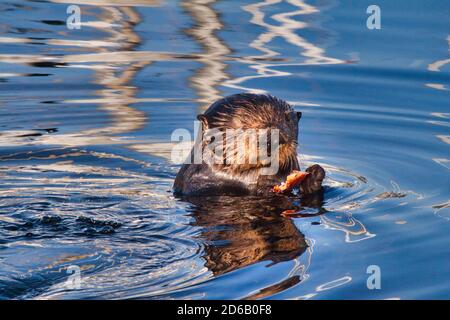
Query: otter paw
x: 313, y: 181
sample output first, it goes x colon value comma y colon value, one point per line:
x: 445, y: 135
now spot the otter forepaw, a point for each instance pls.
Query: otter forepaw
x: 313, y: 182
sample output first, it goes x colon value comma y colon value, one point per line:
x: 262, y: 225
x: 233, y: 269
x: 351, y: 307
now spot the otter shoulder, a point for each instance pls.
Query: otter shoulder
x: 200, y: 180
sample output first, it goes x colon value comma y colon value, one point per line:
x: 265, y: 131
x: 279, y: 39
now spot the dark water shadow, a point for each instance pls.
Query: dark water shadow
x: 241, y: 231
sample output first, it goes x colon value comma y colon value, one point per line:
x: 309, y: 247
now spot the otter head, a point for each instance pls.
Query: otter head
x: 237, y: 118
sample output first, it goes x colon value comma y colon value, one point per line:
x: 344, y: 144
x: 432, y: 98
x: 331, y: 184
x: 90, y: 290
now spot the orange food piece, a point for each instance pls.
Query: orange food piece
x: 291, y: 182
x: 288, y: 213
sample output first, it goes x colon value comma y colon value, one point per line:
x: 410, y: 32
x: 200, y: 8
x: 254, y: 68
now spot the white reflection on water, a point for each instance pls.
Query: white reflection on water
x: 114, y: 75
x: 436, y: 67
x: 288, y: 29
x: 119, y: 3
x: 214, y: 51
x: 324, y: 287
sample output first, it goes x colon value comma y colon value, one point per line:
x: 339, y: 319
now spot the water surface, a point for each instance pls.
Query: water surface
x: 86, y: 118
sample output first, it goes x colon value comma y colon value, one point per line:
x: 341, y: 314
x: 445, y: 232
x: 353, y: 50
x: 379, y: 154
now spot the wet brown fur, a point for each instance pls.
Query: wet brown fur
x: 244, y: 111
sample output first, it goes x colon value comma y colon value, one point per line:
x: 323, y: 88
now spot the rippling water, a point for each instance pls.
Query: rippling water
x: 85, y: 122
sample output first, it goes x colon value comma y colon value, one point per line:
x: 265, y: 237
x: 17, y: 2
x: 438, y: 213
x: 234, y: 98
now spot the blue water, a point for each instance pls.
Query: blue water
x: 86, y: 117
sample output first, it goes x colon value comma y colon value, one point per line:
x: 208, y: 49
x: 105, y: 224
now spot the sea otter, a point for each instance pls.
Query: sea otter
x: 246, y: 112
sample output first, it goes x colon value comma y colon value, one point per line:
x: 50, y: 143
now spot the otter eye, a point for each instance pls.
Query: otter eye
x: 288, y: 116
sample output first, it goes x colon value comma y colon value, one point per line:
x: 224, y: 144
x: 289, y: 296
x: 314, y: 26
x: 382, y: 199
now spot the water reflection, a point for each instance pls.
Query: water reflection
x: 242, y: 231
x: 437, y: 67
x: 113, y: 75
x: 214, y: 51
x: 115, y: 64
x: 442, y: 117
x: 239, y: 232
x: 118, y: 94
x: 290, y: 23
x: 120, y: 3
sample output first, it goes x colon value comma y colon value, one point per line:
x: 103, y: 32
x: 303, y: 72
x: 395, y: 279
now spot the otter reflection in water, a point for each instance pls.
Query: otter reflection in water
x: 240, y: 231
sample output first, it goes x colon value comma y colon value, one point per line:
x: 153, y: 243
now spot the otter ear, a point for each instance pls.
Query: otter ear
x: 299, y: 115
x: 203, y: 120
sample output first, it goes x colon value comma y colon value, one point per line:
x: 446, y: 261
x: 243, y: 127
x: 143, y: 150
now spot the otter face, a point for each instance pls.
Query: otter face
x: 244, y: 114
